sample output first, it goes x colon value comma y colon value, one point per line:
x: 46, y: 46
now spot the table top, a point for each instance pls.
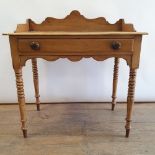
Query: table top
x: 59, y: 33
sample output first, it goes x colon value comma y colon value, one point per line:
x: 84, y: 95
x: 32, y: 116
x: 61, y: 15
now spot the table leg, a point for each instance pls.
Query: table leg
x: 130, y: 99
x: 115, y: 81
x: 21, y: 99
x: 36, y: 82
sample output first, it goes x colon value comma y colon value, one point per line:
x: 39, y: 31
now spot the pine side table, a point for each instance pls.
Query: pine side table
x: 75, y: 37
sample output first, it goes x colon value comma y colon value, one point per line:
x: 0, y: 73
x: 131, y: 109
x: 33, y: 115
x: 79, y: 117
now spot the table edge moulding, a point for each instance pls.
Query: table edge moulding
x: 75, y: 37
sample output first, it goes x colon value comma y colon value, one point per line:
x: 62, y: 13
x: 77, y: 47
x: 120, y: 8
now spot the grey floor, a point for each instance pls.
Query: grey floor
x: 78, y: 129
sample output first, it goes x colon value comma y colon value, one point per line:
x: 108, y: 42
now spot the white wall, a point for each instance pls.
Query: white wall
x: 87, y: 80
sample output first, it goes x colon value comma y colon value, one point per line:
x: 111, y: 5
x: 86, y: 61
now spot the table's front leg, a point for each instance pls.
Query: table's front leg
x: 21, y: 99
x: 130, y: 99
x: 115, y: 81
x: 36, y: 82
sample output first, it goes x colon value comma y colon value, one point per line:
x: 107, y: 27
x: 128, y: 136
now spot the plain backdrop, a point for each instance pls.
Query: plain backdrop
x: 86, y: 80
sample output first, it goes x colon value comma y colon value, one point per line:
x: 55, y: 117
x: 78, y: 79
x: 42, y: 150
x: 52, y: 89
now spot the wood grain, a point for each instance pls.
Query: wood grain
x: 36, y: 82
x: 21, y: 100
x: 63, y: 33
x: 75, y: 37
x: 78, y: 129
x: 115, y: 81
x: 60, y: 46
x: 130, y: 99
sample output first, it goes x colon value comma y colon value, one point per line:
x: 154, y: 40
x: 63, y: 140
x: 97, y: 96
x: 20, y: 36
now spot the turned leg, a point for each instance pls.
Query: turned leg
x: 21, y: 100
x: 36, y: 82
x: 130, y: 100
x: 115, y: 81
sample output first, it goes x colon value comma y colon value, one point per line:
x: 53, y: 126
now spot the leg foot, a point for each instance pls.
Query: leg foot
x: 113, y: 107
x: 24, y: 133
x: 127, y: 133
x: 115, y: 81
x: 38, y: 107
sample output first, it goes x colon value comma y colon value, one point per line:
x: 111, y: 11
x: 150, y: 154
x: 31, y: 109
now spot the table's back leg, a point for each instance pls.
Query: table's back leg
x: 115, y: 81
x: 36, y: 82
x: 130, y: 99
x: 21, y: 99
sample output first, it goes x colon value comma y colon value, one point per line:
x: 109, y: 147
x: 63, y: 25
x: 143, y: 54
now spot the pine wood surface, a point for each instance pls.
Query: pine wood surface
x: 75, y: 37
x: 31, y: 33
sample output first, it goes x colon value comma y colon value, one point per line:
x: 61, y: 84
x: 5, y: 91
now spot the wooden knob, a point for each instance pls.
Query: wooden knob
x: 35, y: 45
x: 116, y: 45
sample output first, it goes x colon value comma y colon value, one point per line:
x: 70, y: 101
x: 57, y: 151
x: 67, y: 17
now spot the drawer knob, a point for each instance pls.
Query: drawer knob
x: 116, y: 45
x: 35, y: 45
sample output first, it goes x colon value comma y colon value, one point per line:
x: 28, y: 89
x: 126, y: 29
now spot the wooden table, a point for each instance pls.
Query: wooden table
x: 75, y: 37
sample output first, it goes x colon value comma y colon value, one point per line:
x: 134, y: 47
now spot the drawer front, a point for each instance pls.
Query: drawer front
x: 61, y: 46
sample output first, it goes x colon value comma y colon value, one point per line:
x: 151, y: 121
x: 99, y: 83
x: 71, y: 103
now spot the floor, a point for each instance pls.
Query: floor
x: 78, y: 129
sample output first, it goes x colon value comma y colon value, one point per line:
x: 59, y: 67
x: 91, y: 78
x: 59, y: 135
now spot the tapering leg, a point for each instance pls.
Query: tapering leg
x: 130, y: 99
x: 115, y: 81
x: 21, y: 99
x: 36, y: 82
